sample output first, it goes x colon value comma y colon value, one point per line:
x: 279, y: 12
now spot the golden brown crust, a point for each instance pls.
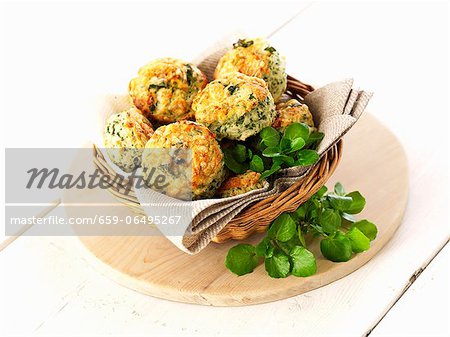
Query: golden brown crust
x: 240, y: 184
x: 164, y: 89
x: 217, y: 103
x: 290, y: 112
x: 208, y: 169
x: 255, y: 57
x: 235, y: 106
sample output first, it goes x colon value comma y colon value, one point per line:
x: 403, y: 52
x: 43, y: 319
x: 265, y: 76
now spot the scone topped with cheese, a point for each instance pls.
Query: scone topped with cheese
x: 292, y: 111
x: 124, y: 137
x: 255, y: 57
x: 240, y: 184
x: 235, y: 106
x: 164, y: 89
x: 204, y: 161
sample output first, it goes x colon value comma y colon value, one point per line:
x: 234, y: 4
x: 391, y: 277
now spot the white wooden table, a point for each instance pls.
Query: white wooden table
x: 54, y: 58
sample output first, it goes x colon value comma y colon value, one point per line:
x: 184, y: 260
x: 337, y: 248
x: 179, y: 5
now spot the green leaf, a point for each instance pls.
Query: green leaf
x: 338, y: 202
x: 232, y: 89
x: 240, y: 153
x: 235, y: 158
x: 272, y: 152
x: 297, y: 130
x: 321, y: 192
x: 276, y: 161
x: 307, y: 157
x: 303, y: 262
x: 189, y: 74
x: 339, y: 189
x: 277, y: 266
x: 360, y: 242
x: 348, y: 217
x: 316, y: 203
x: 330, y: 220
x: 297, y: 144
x: 358, y: 203
x: 301, y: 238
x: 301, y: 211
x: 269, y: 172
x: 264, y: 248
x: 283, y: 228
x: 314, y: 138
x: 367, y: 228
x: 288, y: 245
x: 269, y: 162
x: 285, y: 145
x: 287, y: 160
x: 337, y: 249
x: 270, y: 136
x: 241, y: 259
x: 258, y: 143
x: 256, y: 164
x: 158, y: 86
x: 243, y: 43
x: 232, y: 163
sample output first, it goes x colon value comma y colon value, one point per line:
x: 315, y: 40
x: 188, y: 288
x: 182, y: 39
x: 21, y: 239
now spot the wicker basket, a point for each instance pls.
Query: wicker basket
x: 257, y: 217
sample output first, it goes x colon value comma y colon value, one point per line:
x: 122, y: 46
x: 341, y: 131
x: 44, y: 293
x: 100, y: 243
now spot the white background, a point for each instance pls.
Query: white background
x: 55, y: 58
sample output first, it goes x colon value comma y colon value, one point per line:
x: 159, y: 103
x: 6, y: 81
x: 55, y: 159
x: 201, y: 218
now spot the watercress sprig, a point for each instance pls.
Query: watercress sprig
x: 329, y: 215
x: 270, y: 151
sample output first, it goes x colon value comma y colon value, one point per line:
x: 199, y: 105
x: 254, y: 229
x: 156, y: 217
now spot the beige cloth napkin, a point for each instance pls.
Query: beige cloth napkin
x: 336, y: 107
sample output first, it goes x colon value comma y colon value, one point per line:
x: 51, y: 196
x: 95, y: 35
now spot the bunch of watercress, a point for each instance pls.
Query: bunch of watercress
x: 270, y: 151
x: 329, y: 215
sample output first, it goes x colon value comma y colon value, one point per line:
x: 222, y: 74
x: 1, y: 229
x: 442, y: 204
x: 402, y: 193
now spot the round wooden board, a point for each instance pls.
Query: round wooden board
x: 374, y: 163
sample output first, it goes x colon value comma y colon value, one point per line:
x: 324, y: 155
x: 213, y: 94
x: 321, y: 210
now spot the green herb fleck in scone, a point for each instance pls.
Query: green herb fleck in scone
x: 240, y: 184
x: 292, y: 111
x: 125, y: 136
x: 164, y: 89
x: 202, y: 167
x: 235, y: 106
x: 255, y: 57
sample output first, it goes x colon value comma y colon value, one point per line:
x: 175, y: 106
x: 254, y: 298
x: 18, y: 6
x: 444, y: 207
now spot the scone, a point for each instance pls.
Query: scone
x: 235, y: 106
x: 240, y: 184
x: 190, y: 158
x: 255, y: 57
x: 292, y: 111
x: 164, y: 89
x: 125, y: 136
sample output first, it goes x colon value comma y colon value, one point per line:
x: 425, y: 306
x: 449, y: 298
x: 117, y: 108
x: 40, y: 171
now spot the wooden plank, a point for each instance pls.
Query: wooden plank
x: 5, y: 241
x: 107, y: 308
x: 428, y: 293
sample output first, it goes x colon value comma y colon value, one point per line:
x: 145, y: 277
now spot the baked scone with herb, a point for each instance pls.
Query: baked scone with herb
x: 235, y: 106
x: 255, y: 57
x: 164, y: 89
x: 240, y: 184
x: 190, y: 174
x: 292, y: 111
x: 124, y: 137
